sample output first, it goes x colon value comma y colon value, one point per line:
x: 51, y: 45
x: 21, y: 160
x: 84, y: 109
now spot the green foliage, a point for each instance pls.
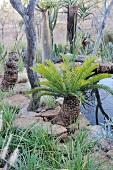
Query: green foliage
x: 68, y: 80
x: 21, y: 64
x: 108, y: 37
x: 45, y: 4
x: 47, y: 102
x: 106, y: 51
x: 57, y: 50
x: 84, y: 9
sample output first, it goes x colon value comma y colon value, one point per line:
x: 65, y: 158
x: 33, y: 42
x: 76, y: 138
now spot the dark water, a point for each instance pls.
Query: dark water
x: 99, y: 104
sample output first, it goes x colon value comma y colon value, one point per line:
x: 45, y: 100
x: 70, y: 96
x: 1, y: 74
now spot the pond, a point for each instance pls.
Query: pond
x: 99, y: 104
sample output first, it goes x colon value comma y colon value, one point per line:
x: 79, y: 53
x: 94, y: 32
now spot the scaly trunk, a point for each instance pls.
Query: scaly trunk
x: 69, y: 111
x: 10, y: 72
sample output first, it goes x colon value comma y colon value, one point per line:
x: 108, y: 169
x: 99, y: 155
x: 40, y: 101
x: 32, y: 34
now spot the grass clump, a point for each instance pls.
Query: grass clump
x: 35, y: 149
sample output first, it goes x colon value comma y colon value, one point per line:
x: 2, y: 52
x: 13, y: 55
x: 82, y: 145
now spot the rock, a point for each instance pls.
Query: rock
x: 51, y: 129
x: 96, y: 132
x: 64, y: 138
x: 106, y: 144
x: 1, y: 122
x: 26, y: 122
x: 57, y: 130
x: 50, y: 114
x: 46, y: 126
x: 24, y: 113
x: 17, y: 100
x: 105, y: 67
x: 60, y: 101
x: 80, y: 123
x: 110, y: 153
x: 100, y: 156
x: 21, y: 87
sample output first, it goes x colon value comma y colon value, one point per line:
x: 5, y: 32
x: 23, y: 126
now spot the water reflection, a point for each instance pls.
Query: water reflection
x: 99, y: 104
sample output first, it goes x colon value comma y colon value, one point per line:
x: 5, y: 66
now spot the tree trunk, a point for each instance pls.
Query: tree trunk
x: 46, y: 38
x: 71, y: 25
x: 30, y: 61
x: 69, y: 111
x: 27, y: 13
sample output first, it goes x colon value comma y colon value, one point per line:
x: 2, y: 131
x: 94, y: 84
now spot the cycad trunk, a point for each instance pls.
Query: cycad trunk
x: 69, y: 111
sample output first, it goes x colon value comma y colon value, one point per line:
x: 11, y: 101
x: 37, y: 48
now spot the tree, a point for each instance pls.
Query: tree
x: 4, y: 12
x: 48, y: 25
x: 71, y: 83
x: 74, y: 9
x: 27, y: 13
x: 99, y: 36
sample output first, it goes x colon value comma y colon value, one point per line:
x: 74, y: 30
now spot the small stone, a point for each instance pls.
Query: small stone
x: 80, y: 123
x: 50, y: 114
x: 64, y: 138
x: 110, y: 153
x: 57, y: 130
x: 61, y: 123
x: 60, y: 101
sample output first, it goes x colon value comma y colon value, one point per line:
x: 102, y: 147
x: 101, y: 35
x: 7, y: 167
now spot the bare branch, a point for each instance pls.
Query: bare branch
x: 18, y: 6
x: 99, y: 36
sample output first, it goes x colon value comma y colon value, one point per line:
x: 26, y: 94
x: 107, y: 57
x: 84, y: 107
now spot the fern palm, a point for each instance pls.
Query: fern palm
x: 69, y: 82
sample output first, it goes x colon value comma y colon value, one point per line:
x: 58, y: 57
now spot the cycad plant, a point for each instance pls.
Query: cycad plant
x: 69, y: 82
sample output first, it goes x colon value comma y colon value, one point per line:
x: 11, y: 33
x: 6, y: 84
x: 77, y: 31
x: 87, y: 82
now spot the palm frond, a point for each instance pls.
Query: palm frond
x: 46, y: 73
x: 94, y: 79
x: 79, y: 71
x: 101, y: 86
x: 50, y: 85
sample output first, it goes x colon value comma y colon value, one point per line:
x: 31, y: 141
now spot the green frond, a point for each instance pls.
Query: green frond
x: 101, y: 86
x: 38, y: 89
x: 94, y: 79
x: 50, y: 85
x: 80, y: 70
x: 89, y: 71
x: 48, y: 74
